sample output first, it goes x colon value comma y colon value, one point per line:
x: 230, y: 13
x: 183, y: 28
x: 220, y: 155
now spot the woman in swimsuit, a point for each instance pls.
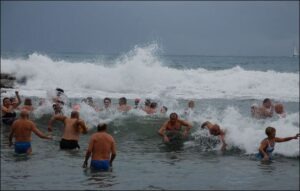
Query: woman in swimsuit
x: 7, y: 109
x: 268, y: 144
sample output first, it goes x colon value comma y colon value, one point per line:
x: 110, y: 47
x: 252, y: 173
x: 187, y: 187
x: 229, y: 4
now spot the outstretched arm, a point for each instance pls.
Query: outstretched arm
x: 39, y: 133
x: 55, y: 117
x: 113, y: 153
x: 277, y: 139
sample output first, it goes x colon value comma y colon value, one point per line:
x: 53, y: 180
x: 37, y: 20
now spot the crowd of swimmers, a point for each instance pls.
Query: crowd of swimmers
x: 102, y: 146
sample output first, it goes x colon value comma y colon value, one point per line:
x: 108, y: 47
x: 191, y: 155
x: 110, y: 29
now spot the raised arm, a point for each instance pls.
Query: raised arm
x: 18, y: 98
x: 278, y: 139
x: 55, y: 117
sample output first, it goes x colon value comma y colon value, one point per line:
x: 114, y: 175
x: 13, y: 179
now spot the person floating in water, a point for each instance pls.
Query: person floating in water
x: 268, y: 144
x: 73, y: 127
x: 102, y: 147
x: 21, y: 130
x: 8, y: 109
x: 171, y: 129
x: 215, y: 130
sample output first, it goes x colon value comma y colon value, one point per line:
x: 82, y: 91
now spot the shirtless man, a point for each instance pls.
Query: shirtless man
x: 264, y: 111
x: 171, y: 129
x: 215, y: 130
x: 123, y: 105
x: 102, y: 146
x: 73, y: 127
x: 21, y: 129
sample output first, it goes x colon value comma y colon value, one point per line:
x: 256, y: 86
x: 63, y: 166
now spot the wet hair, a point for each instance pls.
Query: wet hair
x: 24, y: 113
x: 74, y: 114
x: 5, y: 99
x: 59, y: 91
x: 147, y: 102
x: 173, y: 116
x: 269, y: 130
x: 266, y: 100
x: 123, y: 99
x: 27, y: 101
x: 107, y: 99
x: 204, y: 124
x: 153, y: 105
x: 102, y: 127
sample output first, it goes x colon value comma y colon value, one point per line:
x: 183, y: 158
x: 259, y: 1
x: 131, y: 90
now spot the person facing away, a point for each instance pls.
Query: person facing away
x: 123, y: 105
x: 268, y: 144
x: 171, y: 129
x: 8, y: 113
x: 21, y: 130
x: 73, y: 126
x: 215, y: 130
x: 27, y: 105
x: 102, y: 147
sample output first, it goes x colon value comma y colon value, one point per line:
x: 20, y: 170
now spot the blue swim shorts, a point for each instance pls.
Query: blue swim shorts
x: 100, y: 164
x: 22, y: 147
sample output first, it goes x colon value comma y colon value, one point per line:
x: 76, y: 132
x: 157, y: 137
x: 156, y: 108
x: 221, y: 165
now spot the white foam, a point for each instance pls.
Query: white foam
x: 140, y: 73
x: 246, y: 133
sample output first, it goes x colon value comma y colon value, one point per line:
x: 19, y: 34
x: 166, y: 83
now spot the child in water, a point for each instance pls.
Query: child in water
x: 268, y: 144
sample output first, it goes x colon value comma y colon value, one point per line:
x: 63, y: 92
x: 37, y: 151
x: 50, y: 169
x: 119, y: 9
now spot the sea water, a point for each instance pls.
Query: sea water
x: 223, y: 89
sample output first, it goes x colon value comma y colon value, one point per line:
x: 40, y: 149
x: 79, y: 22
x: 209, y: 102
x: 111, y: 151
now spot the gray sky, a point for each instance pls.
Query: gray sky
x: 200, y: 28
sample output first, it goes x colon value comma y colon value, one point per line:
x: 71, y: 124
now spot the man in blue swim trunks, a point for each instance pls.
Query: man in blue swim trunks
x: 102, y: 146
x: 21, y: 129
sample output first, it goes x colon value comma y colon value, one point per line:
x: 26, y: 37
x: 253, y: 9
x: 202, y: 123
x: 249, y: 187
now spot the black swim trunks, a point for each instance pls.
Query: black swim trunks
x: 69, y: 144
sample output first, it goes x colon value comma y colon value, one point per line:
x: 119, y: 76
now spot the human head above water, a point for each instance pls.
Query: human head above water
x: 267, y: 103
x: 102, y: 127
x: 270, y: 131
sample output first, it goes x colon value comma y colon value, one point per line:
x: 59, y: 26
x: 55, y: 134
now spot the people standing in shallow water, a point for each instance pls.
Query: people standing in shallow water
x: 8, y: 109
x: 171, y: 129
x: 102, y: 147
x: 215, y: 130
x: 73, y: 126
x: 268, y: 144
x: 21, y: 130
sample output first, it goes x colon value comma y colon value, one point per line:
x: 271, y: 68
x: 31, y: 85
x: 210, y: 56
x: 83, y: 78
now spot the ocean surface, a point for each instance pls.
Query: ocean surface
x: 223, y: 89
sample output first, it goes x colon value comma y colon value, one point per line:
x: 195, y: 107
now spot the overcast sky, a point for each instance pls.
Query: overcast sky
x: 197, y: 28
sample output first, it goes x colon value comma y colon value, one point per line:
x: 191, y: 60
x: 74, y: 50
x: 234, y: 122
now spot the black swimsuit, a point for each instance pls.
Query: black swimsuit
x: 69, y: 144
x: 9, y: 118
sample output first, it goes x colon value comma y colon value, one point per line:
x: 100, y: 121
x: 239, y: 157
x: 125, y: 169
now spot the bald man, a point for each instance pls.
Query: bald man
x: 21, y: 130
x: 215, y: 130
x: 73, y: 127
